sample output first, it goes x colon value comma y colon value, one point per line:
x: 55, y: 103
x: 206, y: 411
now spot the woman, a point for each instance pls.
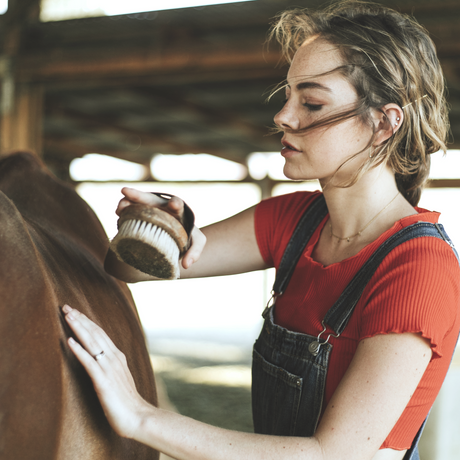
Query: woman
x: 339, y: 372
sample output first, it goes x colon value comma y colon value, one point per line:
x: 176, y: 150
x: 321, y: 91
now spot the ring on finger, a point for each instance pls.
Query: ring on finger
x: 99, y: 355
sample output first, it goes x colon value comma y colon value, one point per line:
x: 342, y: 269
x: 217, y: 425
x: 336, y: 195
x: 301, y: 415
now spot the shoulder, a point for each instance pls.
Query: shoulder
x: 415, y: 289
x: 423, y: 255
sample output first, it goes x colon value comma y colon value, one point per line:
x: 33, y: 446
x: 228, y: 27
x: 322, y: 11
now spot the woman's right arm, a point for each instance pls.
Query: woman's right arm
x: 225, y: 248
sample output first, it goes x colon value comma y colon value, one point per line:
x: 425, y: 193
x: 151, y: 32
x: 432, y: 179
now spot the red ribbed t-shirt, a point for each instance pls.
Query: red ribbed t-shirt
x: 415, y: 289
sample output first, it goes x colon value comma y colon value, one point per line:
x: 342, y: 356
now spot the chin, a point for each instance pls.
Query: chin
x: 296, y: 175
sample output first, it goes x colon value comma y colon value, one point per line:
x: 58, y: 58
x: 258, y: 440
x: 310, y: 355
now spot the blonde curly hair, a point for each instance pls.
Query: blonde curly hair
x: 388, y: 58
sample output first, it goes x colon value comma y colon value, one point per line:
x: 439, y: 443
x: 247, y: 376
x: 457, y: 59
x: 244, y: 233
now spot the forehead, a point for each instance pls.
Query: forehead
x: 314, y: 58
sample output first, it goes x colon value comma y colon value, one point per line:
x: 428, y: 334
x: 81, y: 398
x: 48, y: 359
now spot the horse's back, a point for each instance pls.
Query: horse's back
x: 52, y: 248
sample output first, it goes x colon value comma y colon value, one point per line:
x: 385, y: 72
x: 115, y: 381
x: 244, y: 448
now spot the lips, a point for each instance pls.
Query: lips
x: 288, y: 148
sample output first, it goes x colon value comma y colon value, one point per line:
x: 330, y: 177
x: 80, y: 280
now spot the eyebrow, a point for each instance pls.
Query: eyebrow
x: 312, y: 85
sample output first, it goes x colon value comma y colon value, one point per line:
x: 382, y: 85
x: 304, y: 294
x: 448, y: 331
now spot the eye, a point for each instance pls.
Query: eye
x: 313, y: 107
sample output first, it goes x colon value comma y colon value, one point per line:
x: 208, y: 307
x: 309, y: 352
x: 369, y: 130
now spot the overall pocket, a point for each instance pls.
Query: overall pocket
x: 276, y: 397
x: 288, y: 384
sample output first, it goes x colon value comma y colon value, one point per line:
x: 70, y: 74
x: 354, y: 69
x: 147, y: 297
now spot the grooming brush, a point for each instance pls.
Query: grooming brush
x: 152, y: 240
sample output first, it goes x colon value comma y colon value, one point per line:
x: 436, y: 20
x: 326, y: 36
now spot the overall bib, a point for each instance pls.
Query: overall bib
x: 289, y: 369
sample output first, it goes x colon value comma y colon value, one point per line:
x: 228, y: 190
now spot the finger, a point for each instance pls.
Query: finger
x: 137, y: 196
x: 89, y: 363
x: 91, y: 336
x: 115, y: 388
x: 194, y: 253
x: 176, y: 206
x: 133, y: 196
x: 173, y: 205
x: 123, y: 203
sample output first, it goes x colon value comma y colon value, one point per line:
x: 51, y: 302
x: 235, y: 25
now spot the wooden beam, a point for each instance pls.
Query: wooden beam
x: 171, y: 80
x: 218, y: 120
x: 68, y: 149
x: 77, y: 147
x: 131, y: 63
x: 443, y: 183
x: 157, y: 140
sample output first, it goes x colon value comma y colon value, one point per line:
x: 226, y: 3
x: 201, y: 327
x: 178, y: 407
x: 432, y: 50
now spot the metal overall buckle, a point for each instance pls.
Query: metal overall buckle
x: 272, y: 299
x: 314, y: 347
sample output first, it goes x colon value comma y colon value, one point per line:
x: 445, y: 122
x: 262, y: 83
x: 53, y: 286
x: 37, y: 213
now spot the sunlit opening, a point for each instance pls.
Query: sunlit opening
x: 57, y: 10
x: 3, y: 6
x: 196, y: 167
x: 187, y: 310
x: 257, y: 165
x: 271, y: 164
x: 204, y: 167
x: 445, y: 166
x: 263, y: 164
x: 95, y: 167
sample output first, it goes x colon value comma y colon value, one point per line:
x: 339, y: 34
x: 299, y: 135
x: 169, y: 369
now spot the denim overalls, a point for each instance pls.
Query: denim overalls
x: 289, y: 368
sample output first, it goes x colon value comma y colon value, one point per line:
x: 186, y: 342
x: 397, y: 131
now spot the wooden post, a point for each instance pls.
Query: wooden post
x: 21, y: 107
x: 21, y: 117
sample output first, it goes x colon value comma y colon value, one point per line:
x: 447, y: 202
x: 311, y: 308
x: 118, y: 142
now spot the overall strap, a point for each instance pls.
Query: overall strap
x: 304, y: 230
x: 339, y: 314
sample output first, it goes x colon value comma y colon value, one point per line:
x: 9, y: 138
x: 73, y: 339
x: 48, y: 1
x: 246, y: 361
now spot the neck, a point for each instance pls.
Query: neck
x: 353, y: 209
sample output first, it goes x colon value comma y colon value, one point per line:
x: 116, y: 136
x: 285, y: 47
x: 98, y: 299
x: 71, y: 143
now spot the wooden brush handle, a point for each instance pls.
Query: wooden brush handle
x: 187, y: 219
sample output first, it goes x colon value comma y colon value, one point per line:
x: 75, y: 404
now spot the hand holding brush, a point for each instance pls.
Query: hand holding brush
x: 153, y: 239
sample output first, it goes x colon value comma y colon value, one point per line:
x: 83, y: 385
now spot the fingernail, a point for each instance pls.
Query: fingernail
x: 66, y: 308
x: 186, y: 264
x: 71, y: 340
x: 70, y: 316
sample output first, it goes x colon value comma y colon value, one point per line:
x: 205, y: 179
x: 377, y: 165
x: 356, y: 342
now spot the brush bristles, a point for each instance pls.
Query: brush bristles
x: 152, y: 235
x: 148, y: 248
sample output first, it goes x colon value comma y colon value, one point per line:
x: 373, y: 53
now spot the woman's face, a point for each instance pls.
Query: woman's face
x: 317, y: 154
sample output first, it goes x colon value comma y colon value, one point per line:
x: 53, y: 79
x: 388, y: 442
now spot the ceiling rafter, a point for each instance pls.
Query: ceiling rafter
x: 194, y: 79
x: 100, y: 125
x: 213, y: 118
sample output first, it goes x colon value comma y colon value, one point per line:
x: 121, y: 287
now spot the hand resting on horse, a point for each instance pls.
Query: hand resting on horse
x: 108, y: 369
x: 345, y: 424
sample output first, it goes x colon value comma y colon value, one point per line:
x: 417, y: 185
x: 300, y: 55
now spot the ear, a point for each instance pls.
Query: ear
x: 387, y: 121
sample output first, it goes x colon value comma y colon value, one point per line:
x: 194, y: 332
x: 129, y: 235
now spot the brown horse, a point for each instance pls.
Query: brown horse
x: 52, y: 250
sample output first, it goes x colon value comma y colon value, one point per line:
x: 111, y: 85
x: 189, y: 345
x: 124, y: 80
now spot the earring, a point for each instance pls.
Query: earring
x: 371, y: 152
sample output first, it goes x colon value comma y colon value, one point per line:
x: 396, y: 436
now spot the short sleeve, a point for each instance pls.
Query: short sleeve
x: 415, y: 289
x: 275, y: 221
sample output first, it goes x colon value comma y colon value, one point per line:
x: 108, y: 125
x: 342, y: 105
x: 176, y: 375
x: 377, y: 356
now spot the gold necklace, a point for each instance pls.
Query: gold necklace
x: 348, y: 238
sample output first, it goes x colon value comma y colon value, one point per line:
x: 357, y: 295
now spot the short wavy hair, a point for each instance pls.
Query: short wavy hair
x: 388, y: 58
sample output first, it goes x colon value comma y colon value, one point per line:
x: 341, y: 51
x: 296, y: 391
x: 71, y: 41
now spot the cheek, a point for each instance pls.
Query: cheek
x: 352, y: 137
x: 339, y: 143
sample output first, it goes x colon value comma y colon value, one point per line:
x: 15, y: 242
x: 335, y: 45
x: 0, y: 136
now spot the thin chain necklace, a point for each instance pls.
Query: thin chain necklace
x: 348, y: 238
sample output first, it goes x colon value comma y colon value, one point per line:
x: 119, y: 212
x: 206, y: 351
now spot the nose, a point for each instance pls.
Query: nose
x: 287, y: 118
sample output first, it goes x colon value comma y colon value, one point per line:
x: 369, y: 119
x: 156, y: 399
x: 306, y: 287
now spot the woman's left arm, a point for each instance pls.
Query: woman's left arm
x: 371, y: 397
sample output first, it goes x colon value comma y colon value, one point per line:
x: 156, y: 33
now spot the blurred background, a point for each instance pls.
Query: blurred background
x: 170, y: 96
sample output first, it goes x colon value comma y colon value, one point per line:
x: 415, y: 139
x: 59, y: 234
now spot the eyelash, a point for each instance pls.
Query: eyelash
x: 311, y: 107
